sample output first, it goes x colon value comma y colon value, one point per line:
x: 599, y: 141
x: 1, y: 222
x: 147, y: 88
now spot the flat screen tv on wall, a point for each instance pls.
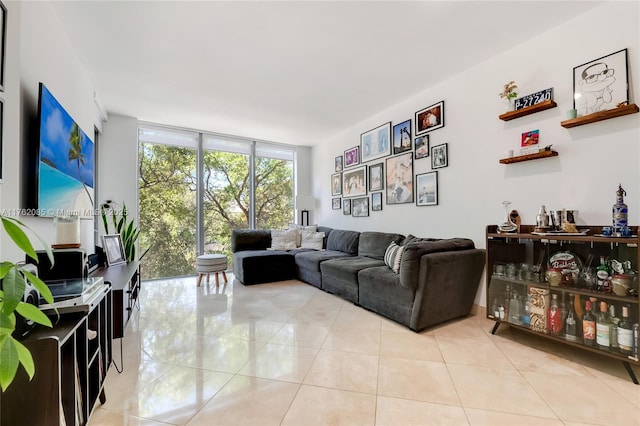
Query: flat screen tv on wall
x: 62, y: 163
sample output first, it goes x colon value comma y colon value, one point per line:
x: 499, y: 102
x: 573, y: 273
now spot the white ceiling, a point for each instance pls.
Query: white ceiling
x: 292, y: 72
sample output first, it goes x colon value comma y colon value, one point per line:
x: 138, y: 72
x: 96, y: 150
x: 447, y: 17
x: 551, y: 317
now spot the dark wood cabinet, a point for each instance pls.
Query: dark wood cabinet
x: 125, y: 284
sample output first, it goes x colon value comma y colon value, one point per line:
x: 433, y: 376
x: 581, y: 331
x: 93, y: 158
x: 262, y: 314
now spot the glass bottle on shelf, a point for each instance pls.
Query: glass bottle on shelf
x: 603, y: 328
x: 507, y: 225
x: 625, y: 333
x: 603, y: 275
x: 526, y: 318
x: 613, y: 332
x: 555, y: 316
x: 588, y: 325
x: 571, y: 323
x: 495, y: 308
x: 577, y: 306
x: 515, y: 309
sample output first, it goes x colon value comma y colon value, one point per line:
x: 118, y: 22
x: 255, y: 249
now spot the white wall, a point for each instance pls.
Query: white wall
x: 593, y: 158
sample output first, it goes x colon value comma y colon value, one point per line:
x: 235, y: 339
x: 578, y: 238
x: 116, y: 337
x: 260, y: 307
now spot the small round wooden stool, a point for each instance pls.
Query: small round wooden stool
x: 211, y: 263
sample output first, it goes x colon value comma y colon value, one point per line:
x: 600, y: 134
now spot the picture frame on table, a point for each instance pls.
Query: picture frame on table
x: 360, y: 207
x: 336, y: 184
x: 352, y: 157
x: 402, y: 137
x: 376, y: 177
x: 421, y: 146
x: 376, y: 202
x: 440, y: 156
x: 601, y: 84
x: 354, y: 182
x: 427, y: 189
x: 346, y: 206
x: 376, y: 143
x: 338, y: 163
x: 430, y: 118
x: 399, y: 179
x: 336, y: 203
x: 113, y: 249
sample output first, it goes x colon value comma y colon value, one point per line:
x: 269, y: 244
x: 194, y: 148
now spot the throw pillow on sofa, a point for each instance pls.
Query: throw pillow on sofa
x: 312, y: 240
x: 393, y: 257
x: 299, y: 229
x: 283, y: 240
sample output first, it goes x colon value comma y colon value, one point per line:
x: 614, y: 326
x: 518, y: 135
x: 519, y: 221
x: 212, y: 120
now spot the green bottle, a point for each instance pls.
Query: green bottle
x: 603, y: 276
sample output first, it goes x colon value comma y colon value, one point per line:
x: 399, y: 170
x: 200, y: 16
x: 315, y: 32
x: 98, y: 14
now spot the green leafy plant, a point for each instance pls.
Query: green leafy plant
x: 12, y: 352
x: 126, y: 228
x: 509, y: 91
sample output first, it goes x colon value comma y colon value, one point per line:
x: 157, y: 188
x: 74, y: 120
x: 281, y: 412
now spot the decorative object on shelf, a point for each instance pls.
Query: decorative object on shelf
x: 529, y: 142
x: 601, y: 84
x: 113, y: 249
x: 572, y: 113
x: 338, y: 163
x: 376, y: 177
x: 376, y: 202
x: 336, y: 203
x: 336, y: 184
x: 440, y: 156
x: 376, y: 143
x: 515, y: 218
x: 427, y: 189
x: 346, y: 206
x: 620, y: 211
x: 542, y: 220
x: 430, y: 118
x: 421, y: 144
x: 354, y: 182
x: 126, y: 229
x: 67, y: 231
x: 360, y: 207
x: 507, y: 225
x: 509, y: 93
x: 399, y: 181
x: 402, y: 137
x: 534, y: 99
x: 352, y: 157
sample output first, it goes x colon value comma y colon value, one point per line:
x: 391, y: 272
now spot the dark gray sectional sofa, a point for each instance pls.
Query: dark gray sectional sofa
x: 437, y: 280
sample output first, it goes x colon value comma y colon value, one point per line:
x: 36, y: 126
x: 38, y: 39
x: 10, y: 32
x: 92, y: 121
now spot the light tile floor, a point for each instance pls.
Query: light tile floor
x: 289, y: 354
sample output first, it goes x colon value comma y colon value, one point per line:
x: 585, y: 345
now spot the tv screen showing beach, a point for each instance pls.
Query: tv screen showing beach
x: 66, y: 162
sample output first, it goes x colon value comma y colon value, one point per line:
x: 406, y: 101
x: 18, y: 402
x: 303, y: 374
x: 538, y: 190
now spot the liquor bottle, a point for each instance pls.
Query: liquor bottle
x: 619, y: 210
x: 603, y: 328
x: 555, y: 316
x: 603, y: 275
x: 588, y: 325
x: 515, y: 309
x: 577, y: 305
x: 613, y: 332
x: 570, y: 324
x: 625, y: 333
x: 526, y: 318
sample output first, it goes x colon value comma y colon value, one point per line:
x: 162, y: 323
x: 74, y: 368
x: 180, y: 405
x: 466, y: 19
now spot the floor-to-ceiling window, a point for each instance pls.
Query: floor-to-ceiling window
x: 195, y: 188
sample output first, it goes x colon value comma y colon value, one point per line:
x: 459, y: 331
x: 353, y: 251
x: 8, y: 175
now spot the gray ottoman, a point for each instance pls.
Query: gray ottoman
x: 211, y: 263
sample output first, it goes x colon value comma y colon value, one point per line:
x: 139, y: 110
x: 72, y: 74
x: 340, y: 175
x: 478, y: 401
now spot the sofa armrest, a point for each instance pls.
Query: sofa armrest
x: 446, y: 287
x: 250, y: 239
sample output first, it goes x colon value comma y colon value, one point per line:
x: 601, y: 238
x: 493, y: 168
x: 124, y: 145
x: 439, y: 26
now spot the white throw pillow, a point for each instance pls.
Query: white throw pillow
x: 283, y: 240
x: 299, y: 229
x: 393, y: 256
x: 312, y: 240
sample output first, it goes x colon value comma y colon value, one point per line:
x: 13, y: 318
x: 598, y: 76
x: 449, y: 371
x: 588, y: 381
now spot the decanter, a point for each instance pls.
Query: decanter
x: 507, y: 225
x: 620, y: 211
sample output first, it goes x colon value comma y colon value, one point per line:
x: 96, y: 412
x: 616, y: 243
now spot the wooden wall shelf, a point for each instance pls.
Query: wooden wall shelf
x: 599, y: 116
x: 519, y: 158
x: 527, y: 110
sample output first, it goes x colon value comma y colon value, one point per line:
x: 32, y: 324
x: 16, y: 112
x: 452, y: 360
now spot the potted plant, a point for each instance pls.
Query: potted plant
x: 509, y: 93
x: 12, y: 352
x: 127, y: 229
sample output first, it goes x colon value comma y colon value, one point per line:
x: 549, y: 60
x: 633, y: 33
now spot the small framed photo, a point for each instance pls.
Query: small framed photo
x: 427, y: 189
x: 336, y: 184
x: 352, y: 157
x: 346, y: 206
x: 601, y: 84
x: 376, y: 177
x: 530, y: 139
x: 439, y: 156
x: 336, y: 203
x: 421, y: 144
x: 402, y: 137
x: 375, y: 143
x: 430, y: 118
x: 399, y: 181
x: 338, y: 163
x: 113, y: 249
x: 354, y: 182
x: 360, y: 207
x: 376, y: 202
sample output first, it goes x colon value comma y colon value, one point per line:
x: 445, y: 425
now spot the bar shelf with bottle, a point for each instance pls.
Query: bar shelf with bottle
x: 545, y: 284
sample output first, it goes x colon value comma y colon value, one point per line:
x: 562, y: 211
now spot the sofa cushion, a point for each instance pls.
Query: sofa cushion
x: 326, y: 231
x: 381, y: 292
x: 340, y: 276
x: 284, y: 239
x: 311, y: 260
x: 312, y: 240
x: 250, y: 239
x: 299, y: 229
x: 344, y: 241
x: 393, y: 256
x: 374, y: 244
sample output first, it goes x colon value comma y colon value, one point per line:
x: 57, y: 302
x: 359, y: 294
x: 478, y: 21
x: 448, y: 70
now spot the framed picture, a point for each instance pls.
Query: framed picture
x: 427, y: 189
x: 530, y: 139
x: 360, y: 207
x: 399, y: 182
x: 421, y: 144
x: 352, y: 157
x: 113, y: 249
x: 402, y: 137
x: 376, y: 202
x: 430, y: 118
x: 338, y: 163
x: 354, y: 182
x: 3, y: 43
x: 336, y: 184
x: 601, y: 84
x: 346, y: 206
x: 375, y: 142
x: 376, y: 177
x: 439, y: 156
x: 336, y: 203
